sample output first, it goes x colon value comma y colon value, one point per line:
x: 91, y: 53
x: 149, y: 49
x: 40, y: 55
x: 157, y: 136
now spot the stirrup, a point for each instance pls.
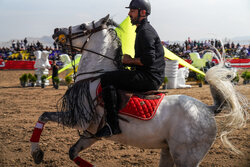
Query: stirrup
x: 111, y: 132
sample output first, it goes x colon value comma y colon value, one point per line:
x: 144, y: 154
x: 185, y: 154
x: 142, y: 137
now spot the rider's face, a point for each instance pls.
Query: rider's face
x: 133, y: 14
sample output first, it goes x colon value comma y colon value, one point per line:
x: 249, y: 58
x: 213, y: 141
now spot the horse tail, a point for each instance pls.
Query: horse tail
x: 225, y: 95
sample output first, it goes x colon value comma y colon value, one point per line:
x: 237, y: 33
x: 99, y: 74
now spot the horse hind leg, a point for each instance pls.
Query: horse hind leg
x: 36, y: 152
x: 80, y: 145
x: 189, y: 154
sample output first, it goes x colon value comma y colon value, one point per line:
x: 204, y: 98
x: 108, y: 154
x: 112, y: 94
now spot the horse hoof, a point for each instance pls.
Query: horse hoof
x: 38, y: 156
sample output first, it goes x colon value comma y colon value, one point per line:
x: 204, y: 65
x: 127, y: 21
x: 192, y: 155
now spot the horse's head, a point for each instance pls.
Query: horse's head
x: 96, y: 40
x: 77, y: 36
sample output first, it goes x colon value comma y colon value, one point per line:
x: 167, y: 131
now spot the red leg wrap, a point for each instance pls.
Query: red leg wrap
x: 37, y: 132
x: 82, y: 163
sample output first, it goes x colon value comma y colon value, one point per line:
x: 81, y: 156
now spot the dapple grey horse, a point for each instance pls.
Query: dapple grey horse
x: 183, y: 127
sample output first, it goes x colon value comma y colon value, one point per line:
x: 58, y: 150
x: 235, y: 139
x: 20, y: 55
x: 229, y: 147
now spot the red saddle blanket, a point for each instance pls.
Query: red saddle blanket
x: 140, y: 108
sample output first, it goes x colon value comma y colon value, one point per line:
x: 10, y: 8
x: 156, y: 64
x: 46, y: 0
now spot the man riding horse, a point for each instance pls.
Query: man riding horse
x: 147, y: 72
x: 184, y: 128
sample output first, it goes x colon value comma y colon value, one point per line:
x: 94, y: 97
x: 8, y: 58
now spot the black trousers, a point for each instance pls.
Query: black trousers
x: 53, y: 79
x: 134, y: 81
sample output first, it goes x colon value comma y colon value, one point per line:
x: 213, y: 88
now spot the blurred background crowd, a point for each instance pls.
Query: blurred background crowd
x: 232, y: 50
x: 24, y: 50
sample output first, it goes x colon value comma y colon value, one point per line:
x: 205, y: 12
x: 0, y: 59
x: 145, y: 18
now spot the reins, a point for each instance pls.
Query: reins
x: 72, y: 36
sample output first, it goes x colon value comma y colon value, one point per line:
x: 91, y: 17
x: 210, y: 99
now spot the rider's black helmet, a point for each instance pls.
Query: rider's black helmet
x: 140, y: 4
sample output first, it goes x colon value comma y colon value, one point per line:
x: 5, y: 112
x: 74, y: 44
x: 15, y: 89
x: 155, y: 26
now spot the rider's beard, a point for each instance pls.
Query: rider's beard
x: 134, y: 21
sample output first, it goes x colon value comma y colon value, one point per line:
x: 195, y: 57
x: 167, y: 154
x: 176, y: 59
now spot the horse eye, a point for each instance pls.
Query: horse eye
x: 83, y: 26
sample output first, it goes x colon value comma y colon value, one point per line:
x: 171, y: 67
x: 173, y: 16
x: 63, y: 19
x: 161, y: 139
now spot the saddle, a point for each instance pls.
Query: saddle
x: 141, y: 105
x: 124, y: 96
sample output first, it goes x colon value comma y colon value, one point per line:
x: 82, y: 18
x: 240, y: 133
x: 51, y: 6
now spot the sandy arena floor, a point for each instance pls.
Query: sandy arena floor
x: 21, y: 107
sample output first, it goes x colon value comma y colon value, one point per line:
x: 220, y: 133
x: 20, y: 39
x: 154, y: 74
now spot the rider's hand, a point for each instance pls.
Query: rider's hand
x: 127, y: 59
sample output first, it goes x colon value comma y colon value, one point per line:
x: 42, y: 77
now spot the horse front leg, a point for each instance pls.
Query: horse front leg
x: 81, y: 144
x: 166, y: 158
x: 36, y: 152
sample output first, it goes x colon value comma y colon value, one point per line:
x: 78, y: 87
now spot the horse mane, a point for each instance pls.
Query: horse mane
x: 77, y: 106
x: 116, y: 42
x: 111, y: 22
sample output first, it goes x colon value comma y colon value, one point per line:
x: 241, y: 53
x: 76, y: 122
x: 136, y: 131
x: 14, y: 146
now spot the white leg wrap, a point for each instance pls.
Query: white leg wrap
x: 34, y: 146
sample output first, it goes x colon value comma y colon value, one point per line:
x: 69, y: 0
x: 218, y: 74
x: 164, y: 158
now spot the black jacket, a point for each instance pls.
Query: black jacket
x: 149, y: 49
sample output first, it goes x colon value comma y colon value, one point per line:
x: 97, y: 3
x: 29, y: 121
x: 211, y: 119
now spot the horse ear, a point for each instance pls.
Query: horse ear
x: 105, y: 19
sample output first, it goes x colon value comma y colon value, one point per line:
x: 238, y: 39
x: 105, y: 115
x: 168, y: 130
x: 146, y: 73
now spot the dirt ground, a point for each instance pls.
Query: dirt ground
x: 21, y: 107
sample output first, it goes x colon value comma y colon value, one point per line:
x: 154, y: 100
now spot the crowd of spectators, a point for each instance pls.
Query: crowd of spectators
x: 232, y: 50
x: 18, y: 49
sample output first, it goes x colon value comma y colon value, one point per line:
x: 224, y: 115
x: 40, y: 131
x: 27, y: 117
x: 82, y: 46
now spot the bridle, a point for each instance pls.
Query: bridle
x: 72, y: 36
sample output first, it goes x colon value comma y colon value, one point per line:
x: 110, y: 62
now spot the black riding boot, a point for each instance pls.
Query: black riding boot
x: 109, y: 96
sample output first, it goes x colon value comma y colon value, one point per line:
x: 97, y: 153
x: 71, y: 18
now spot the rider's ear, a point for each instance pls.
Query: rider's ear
x: 143, y: 13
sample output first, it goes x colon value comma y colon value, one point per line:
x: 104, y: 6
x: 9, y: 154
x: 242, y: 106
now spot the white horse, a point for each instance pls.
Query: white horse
x: 183, y: 127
